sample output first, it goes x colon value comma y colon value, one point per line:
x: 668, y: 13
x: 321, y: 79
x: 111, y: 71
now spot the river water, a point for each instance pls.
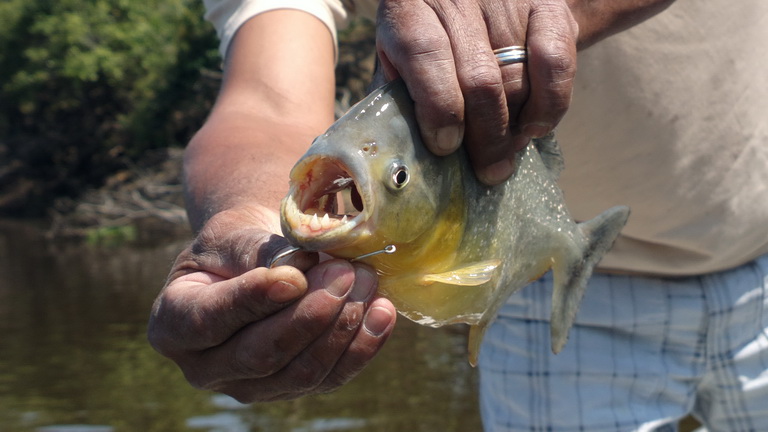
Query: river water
x: 74, y: 357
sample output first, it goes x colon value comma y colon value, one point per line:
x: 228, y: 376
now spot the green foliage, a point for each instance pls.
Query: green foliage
x: 88, y: 85
x: 111, y: 235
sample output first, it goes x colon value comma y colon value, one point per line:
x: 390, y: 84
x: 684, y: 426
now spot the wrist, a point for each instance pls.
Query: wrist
x: 600, y: 19
x: 241, y: 215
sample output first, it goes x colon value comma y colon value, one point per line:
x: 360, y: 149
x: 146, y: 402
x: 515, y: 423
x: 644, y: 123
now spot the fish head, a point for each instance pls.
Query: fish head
x: 367, y: 182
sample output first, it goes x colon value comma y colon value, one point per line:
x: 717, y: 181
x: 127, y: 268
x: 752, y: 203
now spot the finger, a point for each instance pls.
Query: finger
x: 505, y: 164
x: 508, y: 27
x: 237, y: 251
x: 319, y: 369
x: 306, y: 371
x: 234, y: 242
x: 309, y: 372
x: 516, y: 90
x: 263, y: 348
x: 309, y: 368
x: 370, y: 338
x: 552, y: 34
x: 201, y: 310
x: 488, y: 136
x: 412, y: 44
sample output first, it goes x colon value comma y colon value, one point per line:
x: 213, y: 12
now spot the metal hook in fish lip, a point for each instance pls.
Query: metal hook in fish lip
x: 287, y: 252
x: 389, y: 249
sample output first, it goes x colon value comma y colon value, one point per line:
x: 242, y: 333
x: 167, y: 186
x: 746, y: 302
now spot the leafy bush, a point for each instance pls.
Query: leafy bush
x: 87, y: 86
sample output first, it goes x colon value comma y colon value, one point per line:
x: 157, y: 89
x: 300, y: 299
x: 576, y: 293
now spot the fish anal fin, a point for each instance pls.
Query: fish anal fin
x: 574, y: 266
x: 472, y: 275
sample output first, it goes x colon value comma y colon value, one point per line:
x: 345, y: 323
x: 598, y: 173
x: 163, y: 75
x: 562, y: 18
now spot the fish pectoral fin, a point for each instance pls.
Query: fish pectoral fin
x: 472, y: 275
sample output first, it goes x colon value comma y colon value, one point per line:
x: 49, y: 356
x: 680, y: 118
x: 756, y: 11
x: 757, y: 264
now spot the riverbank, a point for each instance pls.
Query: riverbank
x: 141, y: 203
x: 142, y: 200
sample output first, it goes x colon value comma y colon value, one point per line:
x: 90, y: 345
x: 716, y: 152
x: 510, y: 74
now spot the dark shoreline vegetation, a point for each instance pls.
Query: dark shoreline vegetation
x: 98, y: 99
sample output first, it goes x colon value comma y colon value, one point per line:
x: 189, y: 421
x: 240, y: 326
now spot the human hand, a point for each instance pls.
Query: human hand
x: 443, y: 50
x: 258, y: 334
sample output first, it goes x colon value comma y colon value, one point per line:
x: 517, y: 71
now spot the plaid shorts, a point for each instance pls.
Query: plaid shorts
x: 643, y: 353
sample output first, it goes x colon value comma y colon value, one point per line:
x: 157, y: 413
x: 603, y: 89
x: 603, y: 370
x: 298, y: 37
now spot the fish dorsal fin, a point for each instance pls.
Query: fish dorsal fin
x: 550, y: 153
x: 471, y: 275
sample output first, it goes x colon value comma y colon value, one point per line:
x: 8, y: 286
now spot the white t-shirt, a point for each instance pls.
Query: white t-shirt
x: 669, y: 117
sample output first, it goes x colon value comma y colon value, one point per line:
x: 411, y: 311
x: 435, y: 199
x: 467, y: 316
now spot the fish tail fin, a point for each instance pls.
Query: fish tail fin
x: 476, y: 333
x: 572, y: 272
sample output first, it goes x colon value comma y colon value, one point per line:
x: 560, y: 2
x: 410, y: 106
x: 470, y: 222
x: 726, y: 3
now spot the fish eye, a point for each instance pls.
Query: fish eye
x: 400, y: 176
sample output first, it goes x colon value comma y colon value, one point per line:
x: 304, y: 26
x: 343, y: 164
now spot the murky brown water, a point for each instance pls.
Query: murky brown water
x: 74, y: 357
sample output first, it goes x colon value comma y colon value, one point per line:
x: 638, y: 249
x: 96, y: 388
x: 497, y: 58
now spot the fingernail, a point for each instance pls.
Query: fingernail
x: 448, y: 139
x: 377, y: 320
x: 364, y: 286
x: 497, y: 172
x: 536, y: 130
x: 282, y: 291
x: 337, y: 279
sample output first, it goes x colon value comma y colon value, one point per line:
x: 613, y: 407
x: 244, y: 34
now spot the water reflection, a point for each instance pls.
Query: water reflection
x: 74, y: 357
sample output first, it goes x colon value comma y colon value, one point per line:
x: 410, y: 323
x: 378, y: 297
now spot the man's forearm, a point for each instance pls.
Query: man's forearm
x: 599, y: 19
x: 277, y: 96
x: 237, y: 160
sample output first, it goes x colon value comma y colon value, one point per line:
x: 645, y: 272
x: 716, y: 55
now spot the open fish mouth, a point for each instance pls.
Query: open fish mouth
x: 325, y: 203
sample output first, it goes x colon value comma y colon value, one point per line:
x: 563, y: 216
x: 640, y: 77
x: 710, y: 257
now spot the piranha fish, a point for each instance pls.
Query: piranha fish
x: 461, y: 248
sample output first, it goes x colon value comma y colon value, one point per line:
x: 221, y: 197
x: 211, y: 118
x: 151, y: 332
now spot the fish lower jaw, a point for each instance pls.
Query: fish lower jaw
x: 309, y: 226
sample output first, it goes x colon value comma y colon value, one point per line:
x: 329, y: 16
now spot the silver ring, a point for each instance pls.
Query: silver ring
x: 511, y: 55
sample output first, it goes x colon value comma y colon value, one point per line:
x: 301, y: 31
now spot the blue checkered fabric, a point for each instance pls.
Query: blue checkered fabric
x: 643, y: 353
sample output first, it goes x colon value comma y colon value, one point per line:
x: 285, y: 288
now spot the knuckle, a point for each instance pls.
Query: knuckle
x: 345, y: 370
x: 561, y: 66
x: 200, y: 324
x: 426, y: 47
x: 157, y: 337
x: 253, y: 361
x: 482, y: 78
x: 309, y: 371
x: 168, y: 329
x: 197, y: 374
x: 336, y: 379
x: 160, y: 341
x: 308, y: 323
x: 196, y: 380
x: 353, y: 363
x: 429, y: 43
x: 555, y: 42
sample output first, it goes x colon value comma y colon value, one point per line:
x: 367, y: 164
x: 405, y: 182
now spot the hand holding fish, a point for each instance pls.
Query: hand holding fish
x: 257, y: 333
x: 215, y: 317
x: 443, y: 50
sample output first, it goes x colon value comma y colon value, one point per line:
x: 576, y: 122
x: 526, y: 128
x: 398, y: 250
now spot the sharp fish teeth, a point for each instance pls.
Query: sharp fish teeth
x: 326, y: 222
x: 309, y: 220
x: 315, y: 223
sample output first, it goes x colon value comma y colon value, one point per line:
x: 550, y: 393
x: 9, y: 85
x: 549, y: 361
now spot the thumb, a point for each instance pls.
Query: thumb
x: 200, y: 310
